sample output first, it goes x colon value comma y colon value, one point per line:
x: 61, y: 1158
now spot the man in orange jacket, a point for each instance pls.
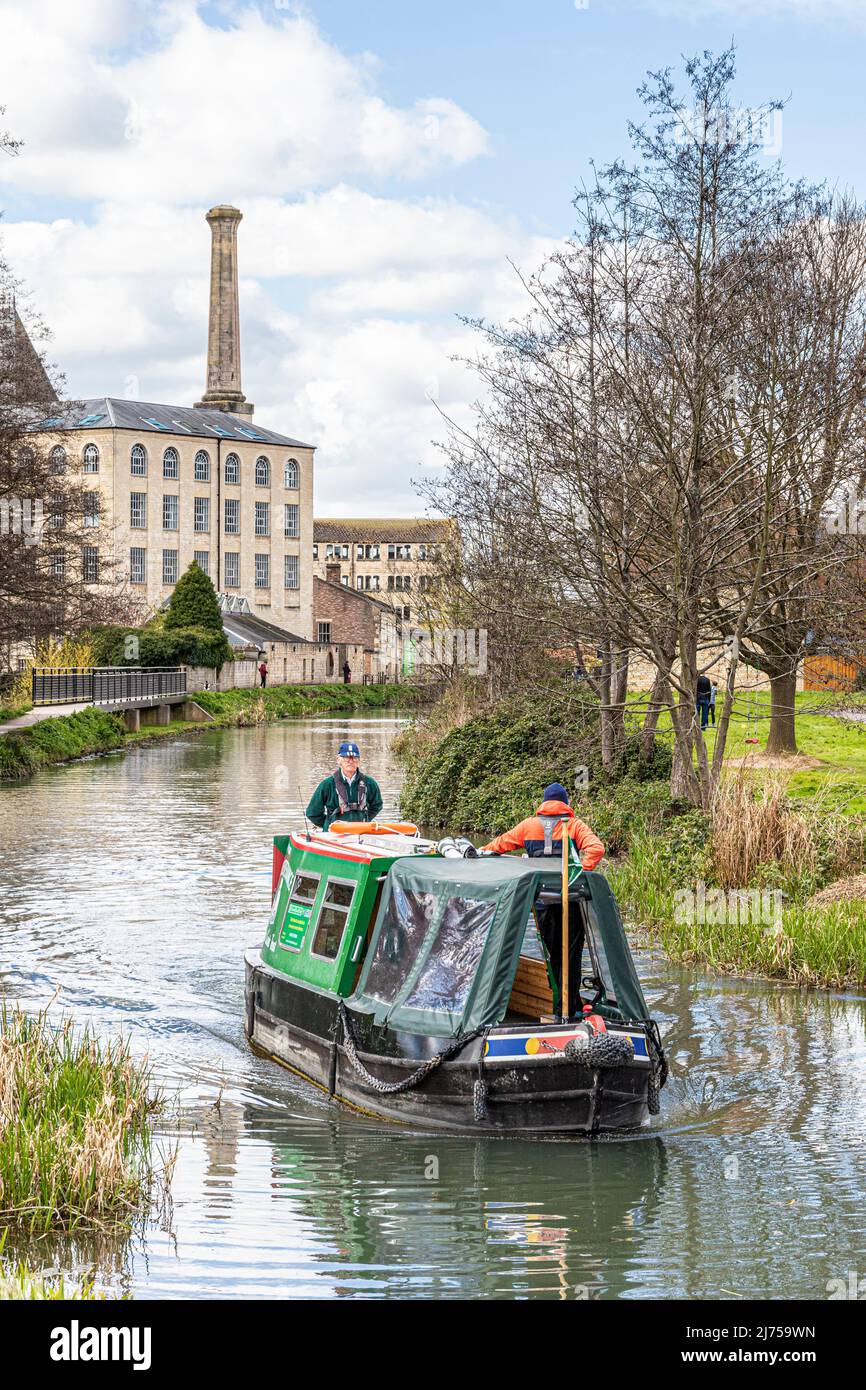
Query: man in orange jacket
x: 540, y: 836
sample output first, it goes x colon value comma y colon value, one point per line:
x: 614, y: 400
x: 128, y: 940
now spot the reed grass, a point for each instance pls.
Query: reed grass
x: 811, y: 943
x: 20, y: 1282
x: 75, y: 1133
x: 756, y: 827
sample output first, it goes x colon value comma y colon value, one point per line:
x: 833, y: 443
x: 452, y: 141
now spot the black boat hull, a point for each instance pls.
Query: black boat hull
x: 300, y: 1027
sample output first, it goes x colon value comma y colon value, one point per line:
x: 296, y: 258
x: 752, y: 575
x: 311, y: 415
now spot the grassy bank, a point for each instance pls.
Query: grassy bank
x: 92, y: 731
x: 769, y: 834
x: 831, y: 759
x: 74, y: 1127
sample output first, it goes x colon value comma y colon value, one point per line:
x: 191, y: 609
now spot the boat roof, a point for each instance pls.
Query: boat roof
x: 359, y: 849
x: 448, y: 935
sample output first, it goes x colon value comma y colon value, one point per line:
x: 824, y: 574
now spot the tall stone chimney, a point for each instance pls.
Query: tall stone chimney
x: 223, y: 389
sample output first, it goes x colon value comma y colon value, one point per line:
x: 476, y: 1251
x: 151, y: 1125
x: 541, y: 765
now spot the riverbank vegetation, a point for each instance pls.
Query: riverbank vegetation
x: 680, y: 872
x: 75, y: 1127
x: 93, y: 731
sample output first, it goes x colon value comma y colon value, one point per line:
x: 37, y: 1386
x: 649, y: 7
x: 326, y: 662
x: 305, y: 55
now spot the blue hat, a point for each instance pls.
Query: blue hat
x: 555, y: 792
x: 349, y: 750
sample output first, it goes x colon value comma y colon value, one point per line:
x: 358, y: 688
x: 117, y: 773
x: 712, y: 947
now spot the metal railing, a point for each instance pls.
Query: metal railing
x: 105, y: 685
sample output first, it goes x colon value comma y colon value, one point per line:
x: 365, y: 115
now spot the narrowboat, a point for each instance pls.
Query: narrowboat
x: 410, y: 982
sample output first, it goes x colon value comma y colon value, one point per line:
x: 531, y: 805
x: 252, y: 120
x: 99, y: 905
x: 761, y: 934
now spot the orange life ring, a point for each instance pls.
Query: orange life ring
x: 372, y: 827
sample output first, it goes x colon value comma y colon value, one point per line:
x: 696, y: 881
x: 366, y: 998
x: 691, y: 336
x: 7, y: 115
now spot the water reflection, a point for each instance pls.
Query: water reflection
x: 134, y: 884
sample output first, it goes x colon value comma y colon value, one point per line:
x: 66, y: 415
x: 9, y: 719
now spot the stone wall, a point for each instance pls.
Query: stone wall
x: 301, y: 663
x: 641, y: 674
x: 235, y: 675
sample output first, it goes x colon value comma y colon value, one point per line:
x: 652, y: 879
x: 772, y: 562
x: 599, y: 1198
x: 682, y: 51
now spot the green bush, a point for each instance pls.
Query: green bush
x: 160, y: 646
x: 193, y: 602
x: 490, y: 772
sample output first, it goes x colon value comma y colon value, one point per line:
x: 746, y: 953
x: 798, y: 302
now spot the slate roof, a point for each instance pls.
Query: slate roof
x: 363, y: 595
x: 401, y: 530
x: 243, y: 629
x: 146, y: 417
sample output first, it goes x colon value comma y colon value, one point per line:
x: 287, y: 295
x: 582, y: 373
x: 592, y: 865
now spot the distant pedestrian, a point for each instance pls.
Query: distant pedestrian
x: 713, y: 704
x: 263, y: 672
x: 347, y: 673
x: 702, y: 703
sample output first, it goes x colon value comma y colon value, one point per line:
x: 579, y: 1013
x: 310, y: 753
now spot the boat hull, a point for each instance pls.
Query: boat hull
x: 528, y: 1084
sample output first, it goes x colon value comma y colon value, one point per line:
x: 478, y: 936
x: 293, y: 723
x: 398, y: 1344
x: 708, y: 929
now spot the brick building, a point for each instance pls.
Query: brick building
x: 358, y: 620
x: 391, y: 559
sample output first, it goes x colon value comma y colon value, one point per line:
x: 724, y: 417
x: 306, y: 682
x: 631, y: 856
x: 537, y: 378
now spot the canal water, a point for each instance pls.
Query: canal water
x: 133, y: 883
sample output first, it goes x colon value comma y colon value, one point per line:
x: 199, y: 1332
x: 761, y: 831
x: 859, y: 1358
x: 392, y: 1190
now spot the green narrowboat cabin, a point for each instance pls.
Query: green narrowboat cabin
x: 409, y: 982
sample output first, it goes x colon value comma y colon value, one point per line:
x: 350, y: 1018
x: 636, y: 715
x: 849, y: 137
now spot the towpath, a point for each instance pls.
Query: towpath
x: 35, y: 716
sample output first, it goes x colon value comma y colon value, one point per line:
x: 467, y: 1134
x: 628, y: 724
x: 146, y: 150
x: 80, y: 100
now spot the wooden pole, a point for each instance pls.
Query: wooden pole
x: 564, y: 985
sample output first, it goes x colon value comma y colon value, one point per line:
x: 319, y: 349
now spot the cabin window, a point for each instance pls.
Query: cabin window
x: 333, y: 915
x: 447, y: 975
x: 299, y: 911
x: 408, y: 918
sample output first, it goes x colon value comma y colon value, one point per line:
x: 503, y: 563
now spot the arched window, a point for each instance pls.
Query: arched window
x: 292, y: 474
x: 57, y: 459
x: 233, y: 468
x: 170, y: 464
x: 263, y: 472
x: 91, y: 459
x: 138, y: 461
x: 201, y: 471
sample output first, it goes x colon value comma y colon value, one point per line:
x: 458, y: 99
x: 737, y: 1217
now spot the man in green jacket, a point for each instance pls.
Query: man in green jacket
x: 348, y: 794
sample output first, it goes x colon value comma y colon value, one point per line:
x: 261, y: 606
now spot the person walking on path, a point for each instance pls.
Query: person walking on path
x: 702, y: 703
x: 713, y: 689
x: 347, y: 794
x: 263, y: 672
x: 347, y: 673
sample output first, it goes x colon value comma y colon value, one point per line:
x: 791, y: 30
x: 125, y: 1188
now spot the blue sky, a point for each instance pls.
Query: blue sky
x: 389, y: 159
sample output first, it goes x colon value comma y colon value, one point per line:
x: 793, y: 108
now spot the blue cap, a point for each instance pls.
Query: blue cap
x: 348, y: 750
x: 555, y: 792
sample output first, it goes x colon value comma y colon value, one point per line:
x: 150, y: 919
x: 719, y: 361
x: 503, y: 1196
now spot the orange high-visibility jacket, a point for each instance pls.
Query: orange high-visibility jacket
x: 529, y: 835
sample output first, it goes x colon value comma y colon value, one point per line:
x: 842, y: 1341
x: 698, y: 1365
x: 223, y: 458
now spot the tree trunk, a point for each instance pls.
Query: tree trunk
x: 783, y: 689
x: 619, y: 695
x: 684, y: 781
x: 659, y: 697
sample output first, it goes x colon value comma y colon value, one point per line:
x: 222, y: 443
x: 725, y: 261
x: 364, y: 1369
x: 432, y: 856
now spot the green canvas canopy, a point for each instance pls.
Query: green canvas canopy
x: 447, y: 939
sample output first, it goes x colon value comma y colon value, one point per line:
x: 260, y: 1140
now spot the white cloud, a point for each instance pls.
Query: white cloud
x: 190, y: 110
x: 369, y: 397
x: 144, y: 116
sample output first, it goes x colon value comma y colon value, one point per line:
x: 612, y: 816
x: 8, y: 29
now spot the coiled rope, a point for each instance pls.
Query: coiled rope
x: 393, y: 1088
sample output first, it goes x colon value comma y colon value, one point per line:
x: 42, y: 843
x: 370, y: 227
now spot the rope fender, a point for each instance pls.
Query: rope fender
x: 393, y: 1088
x: 659, y: 1072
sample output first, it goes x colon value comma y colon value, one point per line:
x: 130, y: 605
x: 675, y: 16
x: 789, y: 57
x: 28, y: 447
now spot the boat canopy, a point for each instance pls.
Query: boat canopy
x: 447, y: 939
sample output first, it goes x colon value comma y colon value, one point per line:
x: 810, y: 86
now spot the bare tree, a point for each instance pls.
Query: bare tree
x: 606, y: 415
x: 798, y: 395
x: 55, y: 559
